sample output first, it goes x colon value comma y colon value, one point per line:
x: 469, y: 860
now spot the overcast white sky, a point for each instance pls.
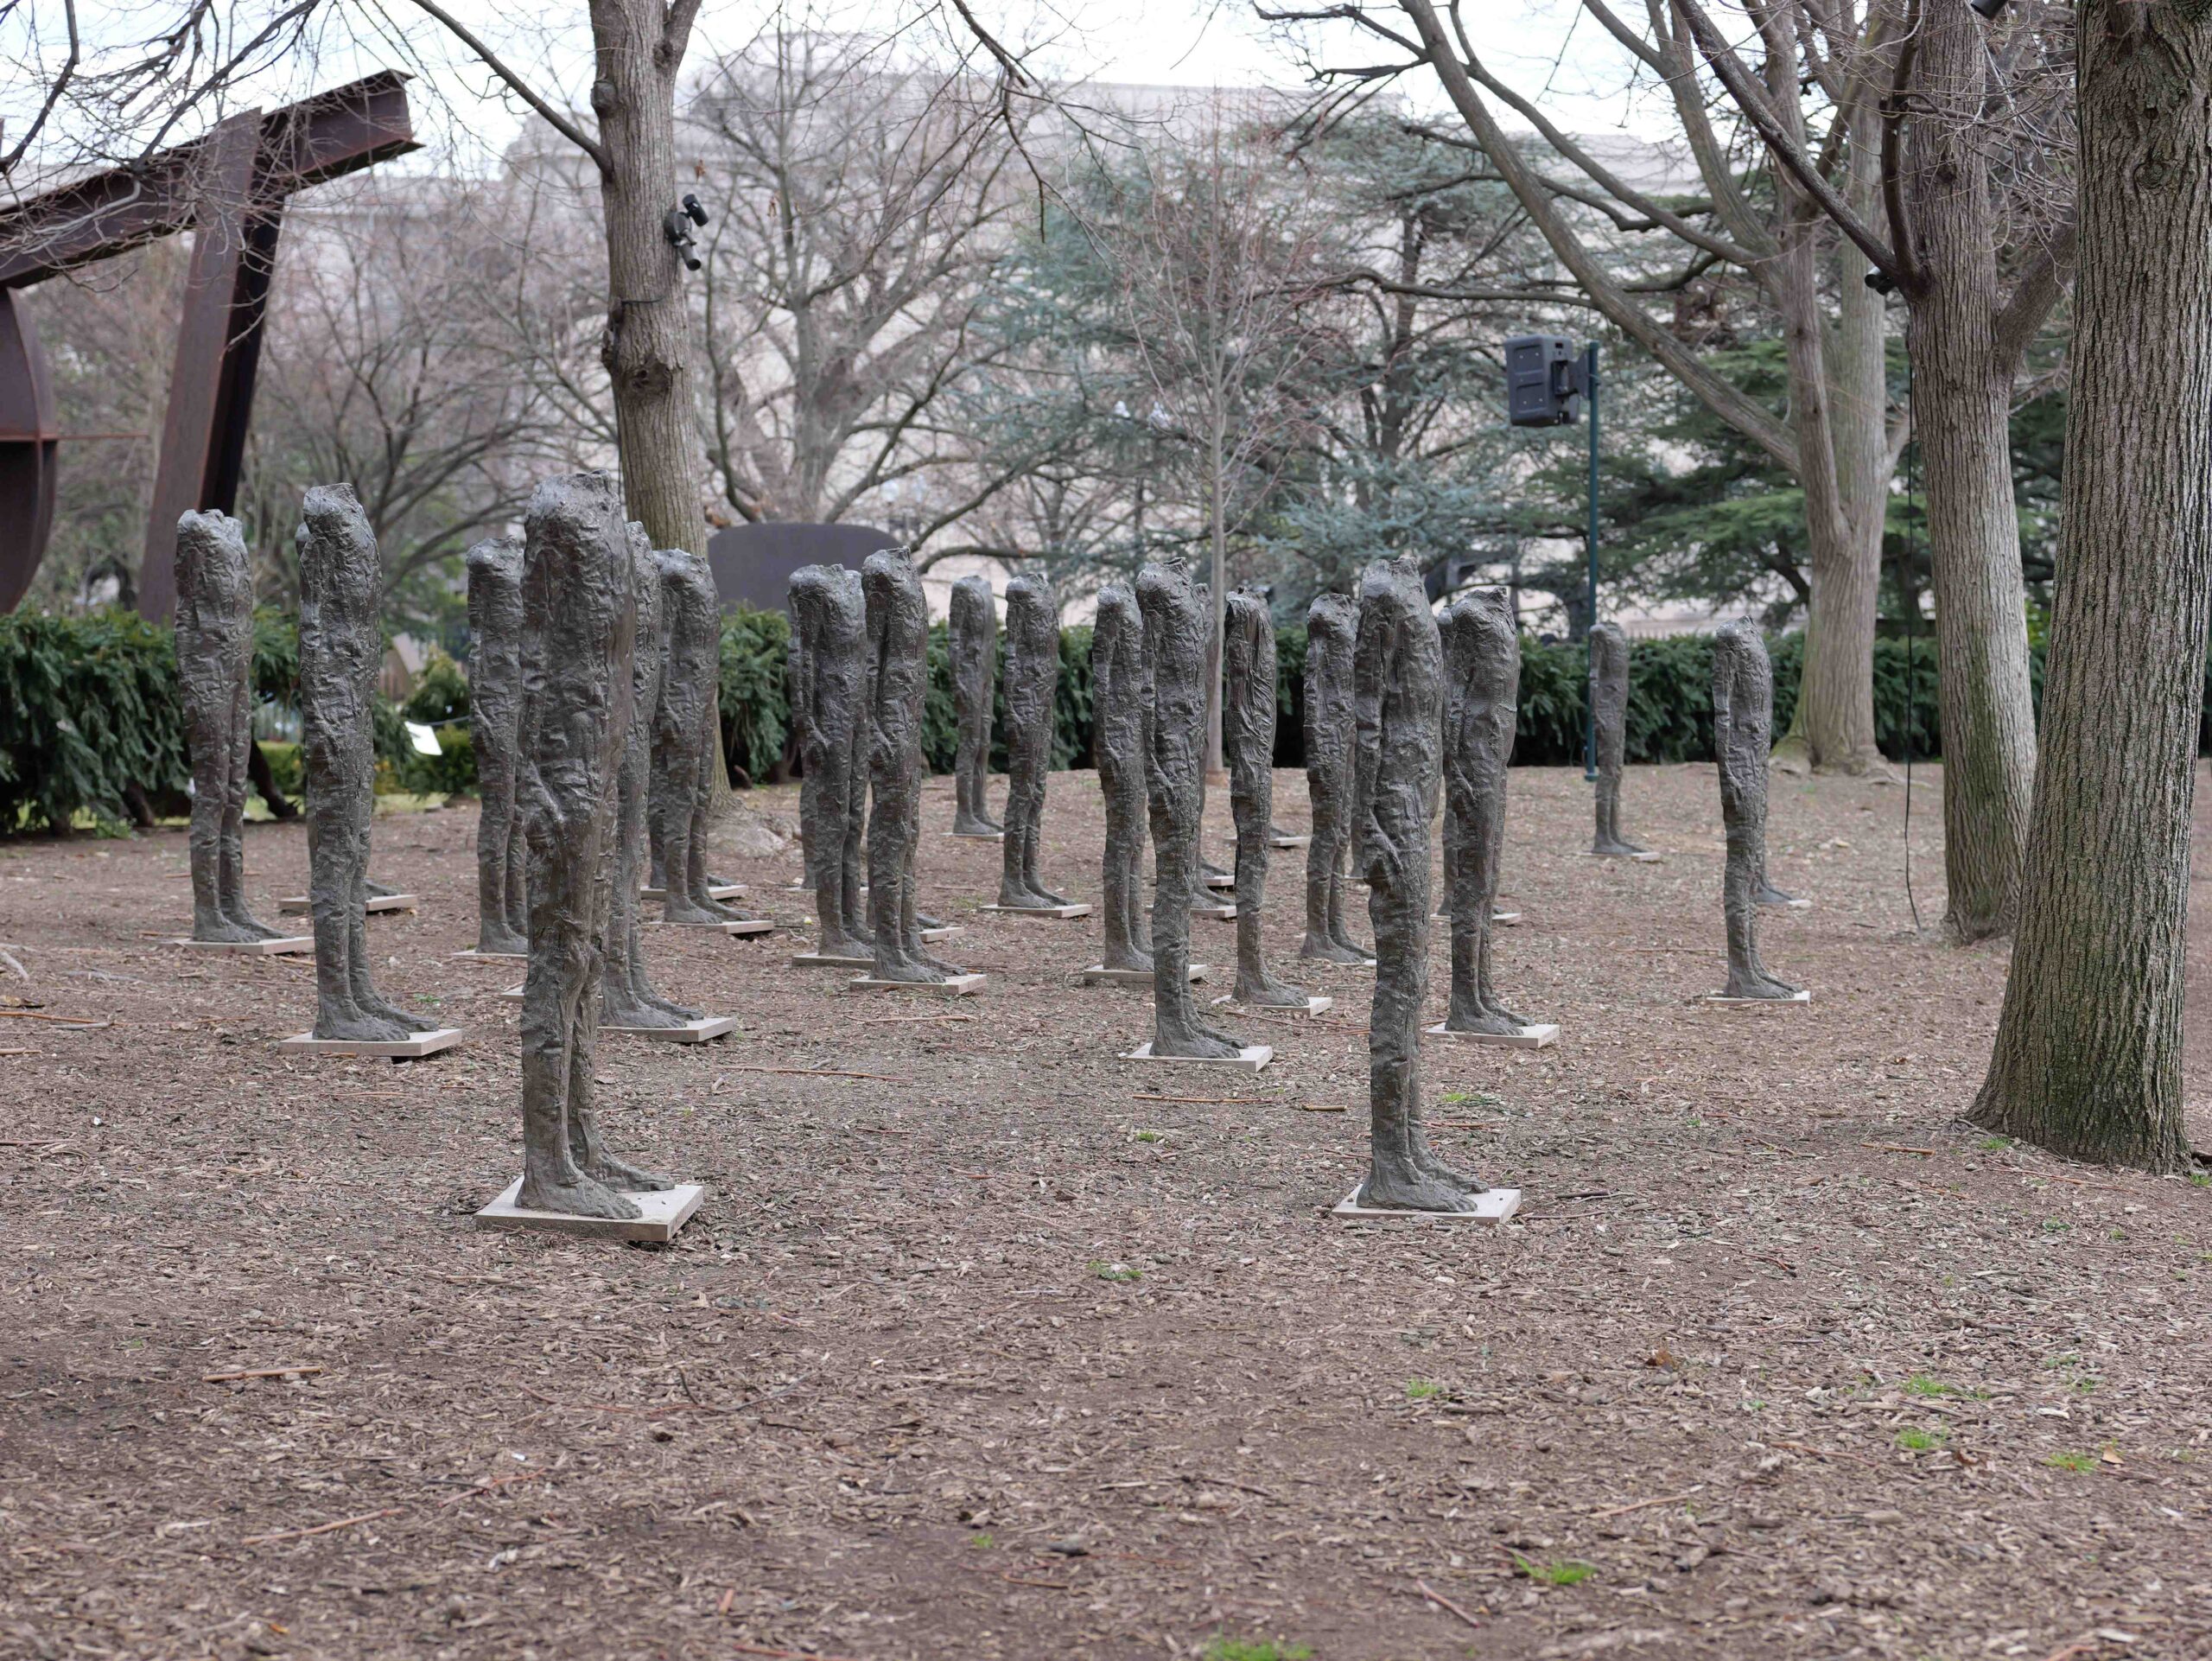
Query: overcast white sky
x: 1580, y: 75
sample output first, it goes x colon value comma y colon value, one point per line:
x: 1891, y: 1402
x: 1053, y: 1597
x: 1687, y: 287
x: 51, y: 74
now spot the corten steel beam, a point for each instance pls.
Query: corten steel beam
x: 27, y: 445
x: 317, y: 139
x: 222, y: 320
x: 229, y: 187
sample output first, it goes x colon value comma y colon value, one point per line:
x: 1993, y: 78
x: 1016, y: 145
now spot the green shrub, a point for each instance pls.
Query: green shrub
x: 755, y: 691
x: 88, y: 711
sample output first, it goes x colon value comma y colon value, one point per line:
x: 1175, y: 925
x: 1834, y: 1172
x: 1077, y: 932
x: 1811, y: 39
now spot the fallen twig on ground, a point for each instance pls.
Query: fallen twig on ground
x: 258, y: 1373
x: 320, y: 1528
x: 1445, y: 1604
x: 1645, y: 1505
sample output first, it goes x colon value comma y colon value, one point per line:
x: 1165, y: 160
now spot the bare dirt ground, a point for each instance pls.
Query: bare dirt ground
x: 980, y: 1348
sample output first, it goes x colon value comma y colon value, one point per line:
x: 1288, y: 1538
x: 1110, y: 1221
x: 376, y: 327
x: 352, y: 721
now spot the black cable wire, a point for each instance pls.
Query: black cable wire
x: 1911, y: 634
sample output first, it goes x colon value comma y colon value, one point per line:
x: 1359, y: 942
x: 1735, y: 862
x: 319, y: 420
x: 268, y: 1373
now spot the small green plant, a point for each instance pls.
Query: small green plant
x: 1913, y: 1439
x: 1568, y: 1572
x: 1151, y: 1135
x: 2073, y: 1461
x: 984, y: 1541
x: 2088, y: 1382
x: 2200, y: 1178
x: 1259, y: 1649
x: 1995, y: 1144
x: 1921, y: 1385
x: 2053, y: 1225
x: 1116, y: 1272
x: 1422, y: 1390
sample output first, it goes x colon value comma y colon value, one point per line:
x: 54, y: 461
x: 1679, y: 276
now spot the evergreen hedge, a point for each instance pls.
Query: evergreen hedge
x: 89, y: 713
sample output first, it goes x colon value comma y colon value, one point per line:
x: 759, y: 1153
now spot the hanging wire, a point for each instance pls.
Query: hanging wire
x: 1912, y: 630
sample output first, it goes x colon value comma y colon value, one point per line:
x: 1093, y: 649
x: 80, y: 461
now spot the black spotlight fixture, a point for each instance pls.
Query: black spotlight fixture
x: 1988, y: 9
x: 675, y: 225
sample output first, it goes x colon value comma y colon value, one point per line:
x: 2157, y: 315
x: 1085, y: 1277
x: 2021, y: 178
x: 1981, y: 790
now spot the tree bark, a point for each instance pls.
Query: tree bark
x: 1961, y: 390
x: 1835, y: 713
x: 647, y: 348
x: 2088, y: 1056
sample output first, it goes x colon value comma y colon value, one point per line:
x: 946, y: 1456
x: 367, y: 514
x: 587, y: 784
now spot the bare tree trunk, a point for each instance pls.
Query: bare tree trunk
x: 1217, y: 581
x: 648, y: 347
x: 1961, y: 392
x: 1835, y: 713
x: 2087, y: 1057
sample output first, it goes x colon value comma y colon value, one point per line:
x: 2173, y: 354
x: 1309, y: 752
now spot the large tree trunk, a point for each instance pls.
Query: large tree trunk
x: 1961, y: 390
x: 2087, y: 1057
x: 648, y: 347
x: 1835, y: 701
x: 1837, y: 398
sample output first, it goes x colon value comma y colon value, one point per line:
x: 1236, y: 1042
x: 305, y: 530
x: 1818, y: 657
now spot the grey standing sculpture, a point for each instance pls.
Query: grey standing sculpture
x: 1122, y: 706
x: 1482, y: 683
x: 1247, y: 742
x: 973, y: 630
x: 1609, y: 704
x: 494, y: 711
x: 898, y: 634
x: 341, y: 647
x: 685, y: 737
x: 1397, y: 701
x: 1330, y: 623
x: 1032, y: 677
x: 1176, y: 623
x: 626, y: 998
x: 829, y: 703
x: 1743, y: 728
x: 579, y: 632
x: 214, y: 663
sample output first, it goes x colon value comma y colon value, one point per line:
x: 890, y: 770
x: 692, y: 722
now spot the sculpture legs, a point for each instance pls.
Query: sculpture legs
x: 566, y: 1164
x: 1121, y: 876
x: 1019, y: 884
x: 1326, y: 937
x: 1747, y: 975
x: 1609, y: 843
x: 499, y: 869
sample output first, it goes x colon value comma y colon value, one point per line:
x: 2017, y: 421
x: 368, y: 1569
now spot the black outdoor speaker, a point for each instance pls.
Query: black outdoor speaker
x: 1542, y: 387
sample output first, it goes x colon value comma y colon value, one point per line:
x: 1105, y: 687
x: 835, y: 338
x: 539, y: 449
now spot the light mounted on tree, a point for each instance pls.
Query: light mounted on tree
x: 1989, y: 9
x: 675, y: 225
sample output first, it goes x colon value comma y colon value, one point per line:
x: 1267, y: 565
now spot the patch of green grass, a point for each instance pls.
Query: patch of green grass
x: 1921, y: 1385
x: 2055, y: 1225
x: 1994, y: 1144
x: 1567, y: 1573
x: 2073, y: 1461
x: 2088, y: 1382
x: 1256, y: 1648
x: 1116, y: 1272
x: 1420, y: 1390
x: 984, y: 1541
x: 1151, y: 1135
x: 2200, y: 1178
x: 2066, y: 1360
x: 1917, y: 1441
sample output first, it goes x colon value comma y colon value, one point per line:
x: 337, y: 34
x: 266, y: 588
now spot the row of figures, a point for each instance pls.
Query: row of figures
x: 593, y: 713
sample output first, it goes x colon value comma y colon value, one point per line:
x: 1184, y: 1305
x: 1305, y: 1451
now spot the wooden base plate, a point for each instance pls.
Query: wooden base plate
x: 1313, y: 1006
x: 1061, y: 913
x: 1804, y: 996
x: 473, y: 955
x: 1217, y: 880
x: 283, y: 942
x: 714, y: 891
x: 397, y: 1049
x: 742, y: 925
x: 298, y: 905
x: 1649, y: 856
x: 959, y: 986
x: 690, y: 1032
x: 1494, y: 1207
x: 818, y: 960
x: 1288, y: 841
x: 1528, y: 1038
x: 1251, y: 1058
x: 664, y: 1214
x: 1220, y: 914
x: 978, y: 836
x: 1099, y: 975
